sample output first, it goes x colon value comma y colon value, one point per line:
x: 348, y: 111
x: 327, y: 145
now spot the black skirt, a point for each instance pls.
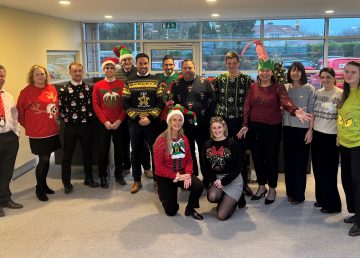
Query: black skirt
x: 45, y: 146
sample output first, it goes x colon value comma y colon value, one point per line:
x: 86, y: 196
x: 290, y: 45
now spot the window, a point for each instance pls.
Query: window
x: 344, y: 27
x: 231, y: 29
x: 294, y: 28
x: 112, y: 31
x: 183, y: 30
x: 58, y: 64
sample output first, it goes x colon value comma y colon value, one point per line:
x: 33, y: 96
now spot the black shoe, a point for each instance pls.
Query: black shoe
x: 40, y: 194
x: 91, y: 183
x: 355, y: 230
x: 267, y: 201
x: 350, y: 220
x: 248, y: 190
x: 193, y: 213
x: 258, y: 197
x: 317, y: 205
x: 326, y: 211
x: 242, y: 202
x: 68, y: 188
x: 120, y: 179
x: 103, y: 182
x: 48, y: 190
x: 13, y: 205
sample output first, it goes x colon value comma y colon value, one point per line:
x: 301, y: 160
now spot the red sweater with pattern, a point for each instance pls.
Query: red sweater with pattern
x: 38, y: 111
x: 107, y: 101
x: 165, y: 165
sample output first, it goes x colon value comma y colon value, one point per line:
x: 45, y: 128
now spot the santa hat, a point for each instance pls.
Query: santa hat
x: 109, y: 60
x: 122, y: 52
x: 264, y: 61
x: 180, y: 110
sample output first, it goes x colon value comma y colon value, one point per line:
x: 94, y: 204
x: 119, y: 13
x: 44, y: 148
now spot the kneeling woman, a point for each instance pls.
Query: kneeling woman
x: 221, y: 169
x: 174, y: 167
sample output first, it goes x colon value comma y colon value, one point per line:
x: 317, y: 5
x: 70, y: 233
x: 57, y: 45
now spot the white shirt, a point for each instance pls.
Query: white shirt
x: 11, y: 114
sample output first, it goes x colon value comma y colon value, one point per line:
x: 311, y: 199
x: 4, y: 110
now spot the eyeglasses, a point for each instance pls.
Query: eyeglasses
x: 109, y: 68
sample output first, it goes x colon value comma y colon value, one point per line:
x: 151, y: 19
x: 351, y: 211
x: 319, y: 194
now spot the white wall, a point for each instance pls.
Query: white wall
x: 25, y: 38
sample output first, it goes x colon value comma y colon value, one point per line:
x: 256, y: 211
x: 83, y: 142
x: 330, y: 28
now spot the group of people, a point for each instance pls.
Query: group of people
x: 168, y: 114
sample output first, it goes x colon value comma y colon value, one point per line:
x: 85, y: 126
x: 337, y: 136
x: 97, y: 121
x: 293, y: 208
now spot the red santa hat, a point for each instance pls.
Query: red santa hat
x: 109, y: 60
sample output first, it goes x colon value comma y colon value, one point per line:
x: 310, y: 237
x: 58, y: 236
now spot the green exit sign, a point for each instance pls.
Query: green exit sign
x: 168, y: 25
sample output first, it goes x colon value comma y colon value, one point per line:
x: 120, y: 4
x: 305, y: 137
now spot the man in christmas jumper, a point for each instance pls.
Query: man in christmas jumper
x: 123, y: 72
x: 142, y: 99
x: 230, y: 89
x: 9, y: 144
x: 110, y: 112
x: 197, y: 95
x: 167, y: 77
x: 76, y: 111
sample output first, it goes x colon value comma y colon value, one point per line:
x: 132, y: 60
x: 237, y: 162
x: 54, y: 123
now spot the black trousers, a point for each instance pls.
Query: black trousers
x: 9, y: 146
x: 168, y: 190
x: 325, y: 161
x: 296, y: 156
x: 199, y: 135
x: 265, y: 143
x: 350, y: 177
x: 138, y: 135
x: 73, y: 133
x: 118, y: 139
x: 234, y: 125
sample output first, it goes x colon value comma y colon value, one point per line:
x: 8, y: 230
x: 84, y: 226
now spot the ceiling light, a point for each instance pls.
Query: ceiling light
x: 215, y: 15
x: 329, y: 11
x: 210, y: 1
x: 64, y: 2
x: 108, y: 17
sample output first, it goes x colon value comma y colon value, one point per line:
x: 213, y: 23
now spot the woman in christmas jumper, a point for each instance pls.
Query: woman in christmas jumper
x: 324, y: 149
x: 349, y: 139
x: 174, y: 167
x: 262, y: 118
x: 38, y: 114
x: 297, y: 136
x: 222, y: 166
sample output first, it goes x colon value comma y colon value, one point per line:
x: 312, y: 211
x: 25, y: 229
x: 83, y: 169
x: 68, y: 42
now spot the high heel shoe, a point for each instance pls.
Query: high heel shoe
x: 267, y: 201
x: 258, y: 197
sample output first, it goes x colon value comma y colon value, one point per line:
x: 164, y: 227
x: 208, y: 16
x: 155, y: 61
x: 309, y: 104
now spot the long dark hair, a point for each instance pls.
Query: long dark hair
x: 346, y: 88
x: 297, y: 66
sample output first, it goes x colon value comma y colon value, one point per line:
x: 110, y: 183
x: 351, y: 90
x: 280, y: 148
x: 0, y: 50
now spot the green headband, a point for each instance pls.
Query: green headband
x: 268, y: 64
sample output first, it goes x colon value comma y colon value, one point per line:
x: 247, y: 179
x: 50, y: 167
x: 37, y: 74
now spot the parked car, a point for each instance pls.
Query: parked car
x: 338, y: 64
x: 307, y: 64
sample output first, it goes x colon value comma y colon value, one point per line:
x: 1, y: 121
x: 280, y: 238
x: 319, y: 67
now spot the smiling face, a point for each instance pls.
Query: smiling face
x: 327, y: 80
x: 232, y: 65
x: 352, y: 75
x: 109, y: 71
x: 217, y: 131
x: 39, y: 76
x: 265, y: 75
x: 127, y: 63
x: 188, y: 70
x: 76, y: 73
x: 142, y: 65
x: 168, y: 66
x: 295, y: 75
x: 176, y: 122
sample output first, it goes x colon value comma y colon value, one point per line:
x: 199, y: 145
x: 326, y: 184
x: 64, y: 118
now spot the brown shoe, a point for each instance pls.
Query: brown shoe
x: 13, y: 205
x: 135, y: 187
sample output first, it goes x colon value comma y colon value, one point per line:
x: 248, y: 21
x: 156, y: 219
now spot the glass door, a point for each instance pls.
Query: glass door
x: 179, y: 51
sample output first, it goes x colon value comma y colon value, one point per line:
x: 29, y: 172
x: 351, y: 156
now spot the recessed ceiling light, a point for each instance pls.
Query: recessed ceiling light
x: 64, y: 2
x: 329, y: 11
x: 108, y: 17
x: 215, y: 15
x: 211, y: 1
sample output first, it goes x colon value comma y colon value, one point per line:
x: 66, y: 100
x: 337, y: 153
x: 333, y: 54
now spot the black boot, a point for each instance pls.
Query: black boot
x: 242, y: 202
x: 103, y: 182
x: 40, y: 193
x: 48, y: 190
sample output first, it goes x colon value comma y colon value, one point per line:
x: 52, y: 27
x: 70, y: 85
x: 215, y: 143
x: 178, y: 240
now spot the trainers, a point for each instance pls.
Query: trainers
x: 148, y: 173
x: 135, y: 187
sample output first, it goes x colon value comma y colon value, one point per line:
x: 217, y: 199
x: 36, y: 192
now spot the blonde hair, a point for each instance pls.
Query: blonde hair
x: 220, y: 120
x: 30, y: 77
x: 168, y: 135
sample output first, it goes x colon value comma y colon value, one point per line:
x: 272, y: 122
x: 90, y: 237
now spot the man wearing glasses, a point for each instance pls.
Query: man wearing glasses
x: 109, y: 110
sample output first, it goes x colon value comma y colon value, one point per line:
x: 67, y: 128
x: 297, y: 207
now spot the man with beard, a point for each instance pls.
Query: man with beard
x: 195, y: 94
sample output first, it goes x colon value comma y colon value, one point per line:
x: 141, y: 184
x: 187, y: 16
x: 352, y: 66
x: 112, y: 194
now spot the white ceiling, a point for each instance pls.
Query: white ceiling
x: 155, y: 10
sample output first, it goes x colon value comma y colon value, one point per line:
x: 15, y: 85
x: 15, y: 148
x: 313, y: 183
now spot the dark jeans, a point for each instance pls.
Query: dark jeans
x: 9, y: 146
x: 73, y: 133
x: 138, y: 135
x: 199, y: 134
x: 325, y: 161
x: 118, y: 139
x: 167, y: 190
x: 350, y: 177
x: 296, y: 156
x: 234, y: 125
x: 265, y: 143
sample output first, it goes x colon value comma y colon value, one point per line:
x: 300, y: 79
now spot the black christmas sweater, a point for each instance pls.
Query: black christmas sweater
x: 220, y: 158
x: 142, y: 96
x: 75, y: 104
x: 196, y: 95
